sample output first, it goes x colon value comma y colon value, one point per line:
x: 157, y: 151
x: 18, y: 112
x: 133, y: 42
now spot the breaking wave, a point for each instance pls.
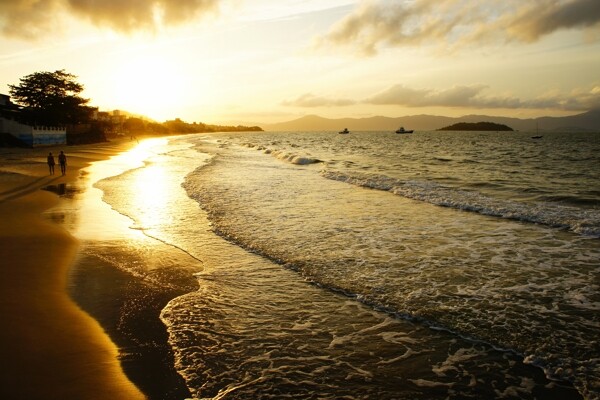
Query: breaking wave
x: 582, y: 221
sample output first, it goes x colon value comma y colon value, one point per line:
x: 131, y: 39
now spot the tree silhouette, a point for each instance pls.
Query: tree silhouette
x: 51, y: 98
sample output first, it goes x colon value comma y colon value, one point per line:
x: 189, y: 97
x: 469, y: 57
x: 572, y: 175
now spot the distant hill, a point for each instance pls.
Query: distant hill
x: 589, y: 121
x: 476, y: 126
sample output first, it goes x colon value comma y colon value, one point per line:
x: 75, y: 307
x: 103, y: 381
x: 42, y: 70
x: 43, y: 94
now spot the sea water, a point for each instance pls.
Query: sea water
x: 376, y: 265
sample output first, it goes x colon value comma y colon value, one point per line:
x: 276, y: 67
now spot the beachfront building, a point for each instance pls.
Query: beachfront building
x: 33, y: 136
x: 112, y: 121
x: 28, y: 135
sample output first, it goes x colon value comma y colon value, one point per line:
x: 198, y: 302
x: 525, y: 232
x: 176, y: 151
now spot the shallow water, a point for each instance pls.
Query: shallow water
x: 374, y: 265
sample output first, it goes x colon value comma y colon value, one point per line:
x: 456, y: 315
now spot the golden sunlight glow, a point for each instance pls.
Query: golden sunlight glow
x: 97, y: 221
x: 141, y: 152
x: 149, y: 85
x: 253, y: 62
x: 151, y: 194
x: 151, y: 185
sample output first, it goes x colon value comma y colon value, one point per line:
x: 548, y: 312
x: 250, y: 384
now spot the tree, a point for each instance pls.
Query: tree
x: 134, y: 125
x: 51, y: 98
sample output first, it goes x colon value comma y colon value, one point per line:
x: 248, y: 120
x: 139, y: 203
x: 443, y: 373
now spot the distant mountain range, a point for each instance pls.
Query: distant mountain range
x: 588, y: 121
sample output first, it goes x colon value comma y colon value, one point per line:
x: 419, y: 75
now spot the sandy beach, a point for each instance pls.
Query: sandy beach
x: 50, y: 348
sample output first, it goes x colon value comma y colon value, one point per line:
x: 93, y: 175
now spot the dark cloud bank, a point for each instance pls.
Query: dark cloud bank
x: 30, y: 19
x: 456, y: 23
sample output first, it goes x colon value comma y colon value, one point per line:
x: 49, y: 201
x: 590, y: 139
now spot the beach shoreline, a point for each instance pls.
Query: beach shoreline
x: 51, y: 348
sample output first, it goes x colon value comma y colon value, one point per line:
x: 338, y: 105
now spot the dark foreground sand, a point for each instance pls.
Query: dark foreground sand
x: 49, y: 347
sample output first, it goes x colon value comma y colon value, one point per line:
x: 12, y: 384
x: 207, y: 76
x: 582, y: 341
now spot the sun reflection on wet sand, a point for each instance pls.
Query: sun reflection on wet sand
x: 96, y: 219
x: 119, y: 275
x: 151, y: 195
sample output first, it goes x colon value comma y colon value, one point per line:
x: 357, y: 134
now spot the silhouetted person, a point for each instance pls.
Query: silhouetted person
x: 51, y: 163
x: 62, y: 160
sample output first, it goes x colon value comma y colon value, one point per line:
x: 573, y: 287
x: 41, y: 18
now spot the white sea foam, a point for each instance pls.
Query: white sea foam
x: 585, y: 222
x: 294, y: 158
x: 430, y: 384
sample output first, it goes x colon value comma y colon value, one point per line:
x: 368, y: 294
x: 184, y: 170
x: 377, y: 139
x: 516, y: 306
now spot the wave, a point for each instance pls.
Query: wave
x: 581, y: 221
x: 293, y: 158
x: 570, y: 199
x: 287, y: 156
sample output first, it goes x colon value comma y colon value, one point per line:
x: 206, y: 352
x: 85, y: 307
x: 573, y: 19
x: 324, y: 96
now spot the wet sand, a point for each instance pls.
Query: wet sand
x: 50, y: 348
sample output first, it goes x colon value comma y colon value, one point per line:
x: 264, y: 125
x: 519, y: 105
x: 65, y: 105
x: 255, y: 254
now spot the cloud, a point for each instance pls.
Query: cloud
x: 27, y: 19
x: 32, y: 18
x: 473, y: 96
x: 454, y: 23
x: 457, y: 96
x: 581, y: 99
x: 310, y: 100
x: 536, y: 20
x: 463, y: 96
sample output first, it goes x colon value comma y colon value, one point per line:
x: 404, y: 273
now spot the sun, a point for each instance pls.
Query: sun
x: 151, y: 85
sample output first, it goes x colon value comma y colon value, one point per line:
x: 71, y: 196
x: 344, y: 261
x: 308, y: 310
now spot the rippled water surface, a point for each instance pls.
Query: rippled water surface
x: 375, y: 265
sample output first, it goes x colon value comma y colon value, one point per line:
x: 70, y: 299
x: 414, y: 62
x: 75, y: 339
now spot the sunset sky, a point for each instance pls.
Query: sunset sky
x: 262, y: 61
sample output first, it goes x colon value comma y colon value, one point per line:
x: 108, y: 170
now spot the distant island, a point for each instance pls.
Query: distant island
x: 476, y: 126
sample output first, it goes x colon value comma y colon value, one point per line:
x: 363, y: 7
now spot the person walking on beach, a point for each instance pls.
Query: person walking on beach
x: 62, y: 160
x: 51, y: 163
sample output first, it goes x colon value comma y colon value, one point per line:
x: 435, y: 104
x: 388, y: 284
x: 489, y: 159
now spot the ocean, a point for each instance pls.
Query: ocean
x: 374, y: 265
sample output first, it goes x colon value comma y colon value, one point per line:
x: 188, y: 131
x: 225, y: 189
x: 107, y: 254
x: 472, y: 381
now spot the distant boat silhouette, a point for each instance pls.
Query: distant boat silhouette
x: 402, y: 130
x: 537, y: 131
x: 344, y: 131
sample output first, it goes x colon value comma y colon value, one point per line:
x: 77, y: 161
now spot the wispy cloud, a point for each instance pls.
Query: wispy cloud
x: 310, y: 100
x: 454, y: 23
x: 30, y: 19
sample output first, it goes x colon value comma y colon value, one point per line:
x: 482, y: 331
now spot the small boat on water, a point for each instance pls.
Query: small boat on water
x: 537, y: 131
x: 344, y: 131
x: 402, y: 130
